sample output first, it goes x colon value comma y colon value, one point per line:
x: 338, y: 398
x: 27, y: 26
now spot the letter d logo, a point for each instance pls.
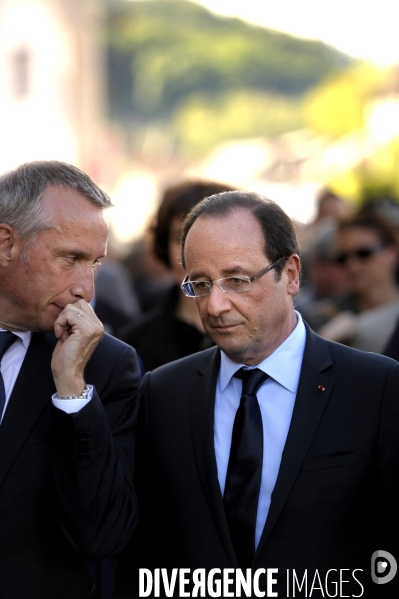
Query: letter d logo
x: 383, y: 567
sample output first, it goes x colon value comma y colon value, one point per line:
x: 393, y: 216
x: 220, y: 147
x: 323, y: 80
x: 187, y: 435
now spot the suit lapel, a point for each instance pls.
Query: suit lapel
x: 31, y: 394
x: 202, y: 408
x: 313, y: 392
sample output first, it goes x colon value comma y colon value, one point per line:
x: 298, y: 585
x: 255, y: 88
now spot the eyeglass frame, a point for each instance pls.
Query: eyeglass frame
x: 249, y: 279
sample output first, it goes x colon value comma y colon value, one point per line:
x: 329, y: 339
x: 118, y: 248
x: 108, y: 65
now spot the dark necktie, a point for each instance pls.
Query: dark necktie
x: 244, y: 471
x: 6, y: 340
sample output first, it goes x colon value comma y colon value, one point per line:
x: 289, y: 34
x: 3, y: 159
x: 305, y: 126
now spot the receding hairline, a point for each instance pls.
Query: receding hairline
x: 37, y: 175
x: 79, y: 196
x: 233, y: 210
x: 280, y: 239
x: 22, y: 190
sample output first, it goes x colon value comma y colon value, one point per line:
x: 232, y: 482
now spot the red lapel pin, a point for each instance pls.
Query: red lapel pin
x: 321, y: 388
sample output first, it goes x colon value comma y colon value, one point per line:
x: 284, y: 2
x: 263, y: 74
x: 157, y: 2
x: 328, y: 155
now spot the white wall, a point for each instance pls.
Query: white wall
x: 51, y: 118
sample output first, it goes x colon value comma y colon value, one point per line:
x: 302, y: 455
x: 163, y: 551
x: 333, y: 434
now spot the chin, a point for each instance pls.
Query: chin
x: 41, y: 327
x: 234, y: 352
x: 44, y: 324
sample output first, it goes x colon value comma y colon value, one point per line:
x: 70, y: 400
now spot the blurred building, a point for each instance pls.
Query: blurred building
x: 51, y: 81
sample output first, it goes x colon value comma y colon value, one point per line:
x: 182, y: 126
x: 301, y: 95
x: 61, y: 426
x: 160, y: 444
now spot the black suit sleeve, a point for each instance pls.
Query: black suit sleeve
x: 94, y: 457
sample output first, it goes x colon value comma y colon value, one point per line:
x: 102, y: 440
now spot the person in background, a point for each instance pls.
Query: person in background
x: 150, y: 277
x: 366, y: 249
x: 325, y: 280
x: 388, y: 209
x: 115, y: 301
x: 173, y: 329
x: 316, y: 240
x: 331, y: 206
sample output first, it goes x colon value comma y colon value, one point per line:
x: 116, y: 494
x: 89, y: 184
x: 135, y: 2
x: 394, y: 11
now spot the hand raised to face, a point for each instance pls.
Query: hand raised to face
x: 78, y: 331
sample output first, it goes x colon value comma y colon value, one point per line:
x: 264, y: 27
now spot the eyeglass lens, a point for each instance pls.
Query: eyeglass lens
x: 228, y: 284
x: 360, y: 254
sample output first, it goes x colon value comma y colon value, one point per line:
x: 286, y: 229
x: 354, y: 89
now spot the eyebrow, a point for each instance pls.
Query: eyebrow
x: 226, y: 272
x: 78, y: 254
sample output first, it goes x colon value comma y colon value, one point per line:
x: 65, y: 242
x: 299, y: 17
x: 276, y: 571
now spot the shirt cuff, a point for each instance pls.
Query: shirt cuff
x: 71, y: 406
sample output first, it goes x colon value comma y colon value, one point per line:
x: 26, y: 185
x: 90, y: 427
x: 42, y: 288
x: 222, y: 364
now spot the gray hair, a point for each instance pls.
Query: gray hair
x: 22, y: 189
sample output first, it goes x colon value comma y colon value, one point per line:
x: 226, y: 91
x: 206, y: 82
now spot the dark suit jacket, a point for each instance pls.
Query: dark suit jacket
x: 65, y: 480
x: 336, y: 498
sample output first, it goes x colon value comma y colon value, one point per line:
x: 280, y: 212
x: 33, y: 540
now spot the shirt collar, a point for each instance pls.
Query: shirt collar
x: 25, y: 336
x: 289, y: 352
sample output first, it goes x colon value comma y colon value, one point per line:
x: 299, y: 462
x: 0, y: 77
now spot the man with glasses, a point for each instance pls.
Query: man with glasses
x: 275, y: 449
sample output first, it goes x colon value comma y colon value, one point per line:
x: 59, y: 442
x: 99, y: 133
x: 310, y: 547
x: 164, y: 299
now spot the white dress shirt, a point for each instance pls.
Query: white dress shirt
x: 11, y: 365
x: 276, y: 398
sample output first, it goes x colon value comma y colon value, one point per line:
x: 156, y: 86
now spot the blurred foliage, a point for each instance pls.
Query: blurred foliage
x: 375, y: 179
x: 337, y: 105
x: 200, y: 123
x: 164, y: 53
x: 182, y: 80
x: 379, y: 177
x: 347, y: 185
x: 344, y: 103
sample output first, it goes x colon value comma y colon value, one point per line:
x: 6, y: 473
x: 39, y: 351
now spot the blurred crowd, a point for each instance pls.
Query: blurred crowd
x: 349, y: 290
x: 350, y: 273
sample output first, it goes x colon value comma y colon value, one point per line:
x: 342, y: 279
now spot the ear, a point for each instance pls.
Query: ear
x: 292, y: 269
x: 8, y: 244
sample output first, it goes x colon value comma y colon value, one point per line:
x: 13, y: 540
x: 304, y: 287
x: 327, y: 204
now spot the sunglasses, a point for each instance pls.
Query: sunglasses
x: 362, y: 254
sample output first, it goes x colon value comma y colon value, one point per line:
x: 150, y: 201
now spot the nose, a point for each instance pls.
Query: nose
x: 83, y: 286
x: 218, y: 301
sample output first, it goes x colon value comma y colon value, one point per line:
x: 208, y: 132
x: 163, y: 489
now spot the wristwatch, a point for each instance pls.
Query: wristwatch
x: 83, y: 395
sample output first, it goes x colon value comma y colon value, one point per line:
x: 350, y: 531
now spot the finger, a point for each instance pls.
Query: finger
x: 65, y: 335
x: 68, y: 320
x: 83, y: 307
x: 61, y: 332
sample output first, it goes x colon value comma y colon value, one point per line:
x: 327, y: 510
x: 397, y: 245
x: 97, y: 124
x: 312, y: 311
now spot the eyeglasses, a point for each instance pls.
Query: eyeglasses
x: 236, y: 284
x: 360, y: 254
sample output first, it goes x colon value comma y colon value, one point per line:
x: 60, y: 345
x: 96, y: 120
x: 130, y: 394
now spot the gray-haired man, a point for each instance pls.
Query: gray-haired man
x: 67, y: 394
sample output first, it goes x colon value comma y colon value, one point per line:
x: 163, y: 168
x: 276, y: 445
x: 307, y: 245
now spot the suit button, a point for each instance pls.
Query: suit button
x: 82, y: 436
